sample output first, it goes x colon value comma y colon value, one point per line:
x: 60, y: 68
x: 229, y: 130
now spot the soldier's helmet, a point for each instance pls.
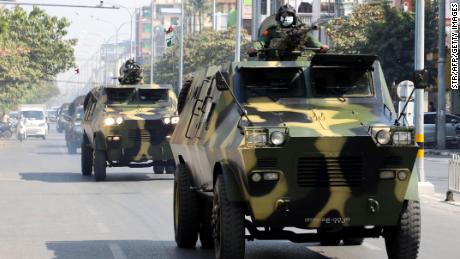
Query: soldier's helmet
x: 130, y: 73
x: 286, y: 16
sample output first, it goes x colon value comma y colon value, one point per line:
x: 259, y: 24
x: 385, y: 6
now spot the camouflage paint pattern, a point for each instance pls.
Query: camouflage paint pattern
x: 328, y: 166
x: 143, y: 134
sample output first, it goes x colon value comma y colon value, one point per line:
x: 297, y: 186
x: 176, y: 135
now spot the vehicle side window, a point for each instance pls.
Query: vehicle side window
x: 430, y: 118
x: 452, y: 119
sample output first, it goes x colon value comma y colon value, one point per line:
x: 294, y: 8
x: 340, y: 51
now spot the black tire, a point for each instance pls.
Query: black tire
x: 158, y: 169
x: 86, y: 157
x: 228, y: 224
x: 353, y: 241
x: 99, y: 165
x: 206, y: 237
x: 403, y: 241
x: 186, y: 219
x: 181, y: 100
x: 170, y: 167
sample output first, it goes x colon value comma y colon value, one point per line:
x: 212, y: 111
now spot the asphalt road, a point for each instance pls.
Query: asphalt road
x: 48, y: 210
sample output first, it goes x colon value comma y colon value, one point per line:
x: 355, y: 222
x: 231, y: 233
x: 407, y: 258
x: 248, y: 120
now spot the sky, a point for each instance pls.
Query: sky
x: 91, y: 27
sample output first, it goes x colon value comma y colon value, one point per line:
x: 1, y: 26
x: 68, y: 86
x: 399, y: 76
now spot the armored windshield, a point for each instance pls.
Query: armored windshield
x: 341, y: 82
x: 119, y: 95
x: 153, y: 95
x: 274, y: 83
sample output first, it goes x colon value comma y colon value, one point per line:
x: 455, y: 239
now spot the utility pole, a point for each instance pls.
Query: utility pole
x: 214, y: 21
x: 239, y: 10
x: 181, y: 47
x: 254, y: 21
x: 419, y: 60
x: 441, y: 111
x: 152, y: 43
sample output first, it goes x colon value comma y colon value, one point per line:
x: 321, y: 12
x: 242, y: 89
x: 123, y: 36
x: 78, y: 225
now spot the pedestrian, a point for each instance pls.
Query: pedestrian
x: 5, y: 117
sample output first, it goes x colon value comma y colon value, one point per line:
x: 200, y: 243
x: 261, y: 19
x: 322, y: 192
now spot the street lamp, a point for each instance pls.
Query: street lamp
x: 131, y: 15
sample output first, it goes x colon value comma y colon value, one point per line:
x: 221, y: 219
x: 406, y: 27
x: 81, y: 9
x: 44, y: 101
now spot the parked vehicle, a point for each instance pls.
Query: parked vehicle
x: 452, y: 130
x: 52, y: 115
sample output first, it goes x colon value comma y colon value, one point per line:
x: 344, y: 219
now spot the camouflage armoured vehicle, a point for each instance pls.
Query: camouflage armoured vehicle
x: 128, y: 125
x: 314, y: 145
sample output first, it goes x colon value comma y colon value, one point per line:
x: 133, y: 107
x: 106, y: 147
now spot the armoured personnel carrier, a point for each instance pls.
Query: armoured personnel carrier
x: 128, y: 125
x: 314, y: 145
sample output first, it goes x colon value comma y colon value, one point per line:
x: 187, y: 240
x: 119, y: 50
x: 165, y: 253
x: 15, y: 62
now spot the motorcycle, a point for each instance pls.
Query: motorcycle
x: 6, y: 130
x: 21, y: 131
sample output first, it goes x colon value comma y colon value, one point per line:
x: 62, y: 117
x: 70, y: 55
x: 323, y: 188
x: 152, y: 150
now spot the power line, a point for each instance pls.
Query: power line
x: 59, y: 5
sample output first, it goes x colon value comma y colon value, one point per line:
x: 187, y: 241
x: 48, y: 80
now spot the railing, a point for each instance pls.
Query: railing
x: 454, y: 173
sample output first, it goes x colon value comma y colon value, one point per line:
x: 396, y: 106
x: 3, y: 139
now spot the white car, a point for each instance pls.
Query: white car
x: 33, y: 123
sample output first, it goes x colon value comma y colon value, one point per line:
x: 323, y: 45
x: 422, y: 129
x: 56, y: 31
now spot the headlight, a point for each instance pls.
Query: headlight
x: 174, y: 120
x: 383, y: 137
x: 119, y: 120
x: 109, y: 121
x: 277, y: 138
x: 402, y: 138
x: 256, y: 137
x: 166, y: 120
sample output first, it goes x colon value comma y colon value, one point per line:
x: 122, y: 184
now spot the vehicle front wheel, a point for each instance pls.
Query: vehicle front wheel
x: 186, y: 220
x: 403, y: 240
x: 228, y: 224
x: 86, y: 157
x: 99, y: 165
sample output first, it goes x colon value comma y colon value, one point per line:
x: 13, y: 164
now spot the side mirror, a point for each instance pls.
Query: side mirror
x: 221, y: 83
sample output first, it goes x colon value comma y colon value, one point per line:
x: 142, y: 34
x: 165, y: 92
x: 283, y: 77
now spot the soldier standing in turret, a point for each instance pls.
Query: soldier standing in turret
x: 275, y: 37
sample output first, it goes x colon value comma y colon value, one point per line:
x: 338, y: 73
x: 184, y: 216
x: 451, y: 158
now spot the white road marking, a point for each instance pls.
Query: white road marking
x: 371, y: 247
x: 117, y: 252
x: 102, y: 227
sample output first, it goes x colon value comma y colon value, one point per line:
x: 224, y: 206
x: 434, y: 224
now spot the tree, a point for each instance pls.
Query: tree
x: 388, y: 32
x: 200, y: 50
x: 33, y: 50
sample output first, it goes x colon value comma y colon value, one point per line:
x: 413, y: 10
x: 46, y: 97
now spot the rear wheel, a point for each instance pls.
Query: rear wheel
x: 99, y: 165
x: 403, y: 241
x: 170, y: 166
x: 228, y: 224
x: 158, y: 167
x: 86, y: 157
x: 206, y: 238
x: 186, y: 220
x: 8, y: 134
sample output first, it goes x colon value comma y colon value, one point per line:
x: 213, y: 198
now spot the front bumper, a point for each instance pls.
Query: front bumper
x: 36, y: 131
x: 326, y: 181
x: 134, y: 142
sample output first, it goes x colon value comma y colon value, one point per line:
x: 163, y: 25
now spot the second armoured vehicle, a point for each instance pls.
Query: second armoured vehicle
x: 266, y: 145
x: 128, y: 125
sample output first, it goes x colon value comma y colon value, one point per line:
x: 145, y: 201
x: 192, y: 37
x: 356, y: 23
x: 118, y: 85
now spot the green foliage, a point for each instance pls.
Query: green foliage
x: 33, y: 50
x: 388, y: 32
x: 200, y: 50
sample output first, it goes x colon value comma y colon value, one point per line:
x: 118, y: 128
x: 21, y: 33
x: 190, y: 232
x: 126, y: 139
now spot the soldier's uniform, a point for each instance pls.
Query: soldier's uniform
x: 273, y: 40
